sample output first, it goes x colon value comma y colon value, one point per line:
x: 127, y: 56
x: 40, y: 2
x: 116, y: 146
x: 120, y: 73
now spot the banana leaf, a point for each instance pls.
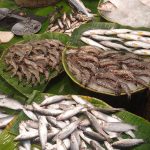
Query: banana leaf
x: 23, y: 87
x: 7, y: 142
x: 76, y: 42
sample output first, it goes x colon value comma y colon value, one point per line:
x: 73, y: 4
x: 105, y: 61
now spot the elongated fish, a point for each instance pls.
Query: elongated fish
x: 115, y: 46
x: 104, y: 38
x: 74, y: 142
x: 78, y: 4
x: 53, y: 99
x: 137, y: 44
x: 93, y: 43
x: 145, y: 52
x: 143, y: 33
x: 11, y: 104
x: 94, y: 32
x: 43, y: 131
x: 5, y: 121
x: 127, y: 143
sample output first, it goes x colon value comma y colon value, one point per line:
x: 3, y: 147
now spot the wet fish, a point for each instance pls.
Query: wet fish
x: 53, y: 99
x: 93, y: 43
x: 127, y: 143
x: 64, y: 133
x: 69, y: 113
x: 30, y: 115
x: 104, y: 38
x: 115, y: 46
x: 137, y: 44
x: 11, y: 104
x: 43, y: 130
x: 5, y: 121
x: 80, y: 7
x: 74, y: 142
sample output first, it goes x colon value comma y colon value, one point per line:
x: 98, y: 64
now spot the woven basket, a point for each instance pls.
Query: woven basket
x: 35, y: 3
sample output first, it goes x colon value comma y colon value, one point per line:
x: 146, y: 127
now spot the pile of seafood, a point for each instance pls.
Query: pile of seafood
x: 70, y: 122
x: 135, y: 41
x: 108, y: 71
x: 135, y: 15
x: 31, y: 60
x: 67, y: 23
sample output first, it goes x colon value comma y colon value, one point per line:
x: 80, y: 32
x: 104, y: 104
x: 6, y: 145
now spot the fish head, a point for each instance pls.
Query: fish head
x: 106, y: 6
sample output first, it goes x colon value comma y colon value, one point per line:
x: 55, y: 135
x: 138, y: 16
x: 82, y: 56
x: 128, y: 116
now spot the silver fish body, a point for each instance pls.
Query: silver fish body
x: 74, y: 142
x: 60, y: 145
x: 5, y: 121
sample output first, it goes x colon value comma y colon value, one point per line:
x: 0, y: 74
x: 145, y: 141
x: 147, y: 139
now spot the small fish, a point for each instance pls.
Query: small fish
x: 78, y: 4
x: 60, y: 145
x: 118, y: 127
x: 93, y: 43
x: 53, y: 99
x: 145, y: 52
x: 11, y: 104
x: 85, y: 138
x: 30, y: 115
x: 47, y: 112
x: 117, y: 31
x: 94, y: 32
x: 60, y: 24
x: 83, y: 145
x: 3, y: 115
x: 67, y: 143
x: 43, y: 131
x: 127, y: 143
x: 81, y: 101
x: 137, y: 44
x: 115, y: 46
x: 104, y: 38
x: 64, y: 133
x: 108, y: 145
x: 142, y: 33
x: 74, y: 142
x: 85, y: 123
x: 5, y: 121
x: 69, y: 113
x: 95, y: 145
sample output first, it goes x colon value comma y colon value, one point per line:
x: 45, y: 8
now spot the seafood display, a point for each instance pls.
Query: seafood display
x: 67, y: 23
x: 34, y: 60
x: 135, y: 15
x: 5, y: 36
x: 70, y: 122
x: 107, y: 71
x: 135, y: 41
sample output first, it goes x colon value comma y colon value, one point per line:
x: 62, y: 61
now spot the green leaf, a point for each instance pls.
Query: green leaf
x: 6, y: 138
x: 22, y: 87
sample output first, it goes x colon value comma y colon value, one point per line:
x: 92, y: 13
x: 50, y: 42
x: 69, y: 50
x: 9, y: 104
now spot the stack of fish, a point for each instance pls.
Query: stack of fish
x: 30, y: 60
x: 68, y: 23
x: 71, y: 122
x: 108, y: 71
x: 9, y: 103
x: 137, y: 42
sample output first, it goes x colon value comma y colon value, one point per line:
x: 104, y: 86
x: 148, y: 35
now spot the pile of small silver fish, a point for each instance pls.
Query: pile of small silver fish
x: 108, y: 71
x: 70, y: 122
x: 68, y: 23
x: 135, y: 41
x: 6, y: 102
x: 30, y: 60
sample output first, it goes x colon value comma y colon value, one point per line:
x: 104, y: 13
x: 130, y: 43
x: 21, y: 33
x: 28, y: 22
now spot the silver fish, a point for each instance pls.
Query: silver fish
x: 83, y: 145
x: 84, y: 123
x: 137, y: 44
x: 81, y: 101
x: 32, y: 124
x: 56, y: 123
x: 60, y: 145
x: 104, y: 38
x: 74, y: 142
x: 47, y: 112
x: 49, y: 146
x: 115, y: 45
x: 127, y: 143
x: 11, y: 104
x: 94, y: 32
x: 30, y: 115
x: 117, y: 31
x: 3, y: 115
x: 142, y: 33
x: 53, y: 99
x: 43, y: 131
x: 64, y: 133
x: 96, y: 145
x: 5, y: 121
x: 67, y: 143
x: 69, y: 113
x: 93, y: 43
x: 118, y: 127
x: 78, y: 4
x: 85, y: 138
x: 103, y: 116
x: 108, y: 145
x: 145, y: 52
